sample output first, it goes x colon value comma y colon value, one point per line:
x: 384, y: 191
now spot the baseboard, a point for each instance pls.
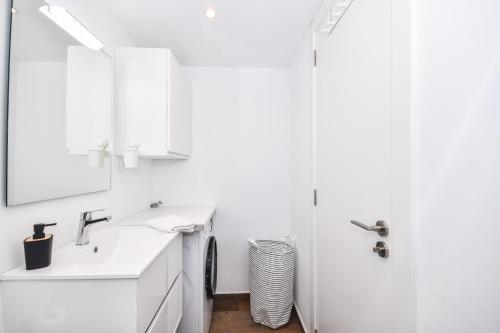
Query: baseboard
x: 301, y: 319
x: 233, y: 292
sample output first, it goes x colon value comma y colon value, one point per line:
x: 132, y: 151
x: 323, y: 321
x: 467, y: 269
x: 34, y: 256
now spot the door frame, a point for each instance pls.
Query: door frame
x: 404, y: 293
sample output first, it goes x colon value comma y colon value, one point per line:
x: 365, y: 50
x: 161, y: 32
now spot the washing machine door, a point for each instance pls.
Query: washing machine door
x: 211, y: 268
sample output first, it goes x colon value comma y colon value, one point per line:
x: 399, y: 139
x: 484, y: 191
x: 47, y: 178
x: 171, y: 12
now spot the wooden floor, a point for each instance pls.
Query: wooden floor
x: 232, y: 315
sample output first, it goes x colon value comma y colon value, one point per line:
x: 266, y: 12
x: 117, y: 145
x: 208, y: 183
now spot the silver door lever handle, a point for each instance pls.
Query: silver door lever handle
x: 380, y: 227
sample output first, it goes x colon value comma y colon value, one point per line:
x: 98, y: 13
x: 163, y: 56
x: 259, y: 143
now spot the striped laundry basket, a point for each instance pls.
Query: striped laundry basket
x: 271, y: 281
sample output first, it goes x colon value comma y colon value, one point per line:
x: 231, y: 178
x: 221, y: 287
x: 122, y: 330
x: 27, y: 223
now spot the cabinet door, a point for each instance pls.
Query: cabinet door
x: 169, y: 315
x: 153, y: 97
x: 141, y: 98
x: 174, y: 261
x: 88, y: 99
x: 174, y: 312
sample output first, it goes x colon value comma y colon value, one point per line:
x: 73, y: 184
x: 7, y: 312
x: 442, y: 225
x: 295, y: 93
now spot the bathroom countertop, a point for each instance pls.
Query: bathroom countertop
x: 199, y: 215
x: 117, y: 243
x: 112, y: 253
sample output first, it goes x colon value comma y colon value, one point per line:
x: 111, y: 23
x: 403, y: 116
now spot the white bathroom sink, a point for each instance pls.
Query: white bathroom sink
x: 113, y: 252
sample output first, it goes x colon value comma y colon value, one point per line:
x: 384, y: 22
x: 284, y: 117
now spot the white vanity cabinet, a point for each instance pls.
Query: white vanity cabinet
x: 153, y: 103
x: 132, y: 284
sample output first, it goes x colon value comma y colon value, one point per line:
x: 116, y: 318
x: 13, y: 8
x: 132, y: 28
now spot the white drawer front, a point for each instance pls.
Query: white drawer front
x: 152, y: 289
x: 156, y: 282
x: 174, y: 262
x: 169, y: 315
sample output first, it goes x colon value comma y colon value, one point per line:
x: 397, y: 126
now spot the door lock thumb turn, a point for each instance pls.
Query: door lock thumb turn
x: 382, y: 249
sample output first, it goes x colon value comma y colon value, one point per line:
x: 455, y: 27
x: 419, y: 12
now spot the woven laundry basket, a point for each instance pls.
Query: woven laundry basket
x: 271, y: 281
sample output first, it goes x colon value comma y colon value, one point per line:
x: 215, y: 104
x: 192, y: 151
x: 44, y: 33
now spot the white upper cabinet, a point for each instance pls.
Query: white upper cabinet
x: 153, y: 98
x: 88, y: 99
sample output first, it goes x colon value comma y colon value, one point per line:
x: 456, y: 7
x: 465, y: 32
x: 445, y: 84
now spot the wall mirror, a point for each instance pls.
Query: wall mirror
x: 59, y: 109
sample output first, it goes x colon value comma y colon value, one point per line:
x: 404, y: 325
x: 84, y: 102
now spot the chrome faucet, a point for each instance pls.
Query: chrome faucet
x: 83, y: 228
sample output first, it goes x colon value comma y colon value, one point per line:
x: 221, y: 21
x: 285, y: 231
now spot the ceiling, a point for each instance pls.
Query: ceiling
x: 253, y: 33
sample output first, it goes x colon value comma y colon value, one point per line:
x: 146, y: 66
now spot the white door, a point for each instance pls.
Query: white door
x: 353, y: 170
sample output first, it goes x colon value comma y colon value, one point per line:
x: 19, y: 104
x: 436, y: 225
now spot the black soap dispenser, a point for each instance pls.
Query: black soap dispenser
x: 38, y: 248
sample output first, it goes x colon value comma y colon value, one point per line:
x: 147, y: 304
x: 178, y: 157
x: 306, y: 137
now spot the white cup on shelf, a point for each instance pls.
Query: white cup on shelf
x: 96, y: 156
x: 131, y: 155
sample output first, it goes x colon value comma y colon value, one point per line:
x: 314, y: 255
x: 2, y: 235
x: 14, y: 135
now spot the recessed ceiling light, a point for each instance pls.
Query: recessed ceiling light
x: 13, y: 10
x: 210, y: 13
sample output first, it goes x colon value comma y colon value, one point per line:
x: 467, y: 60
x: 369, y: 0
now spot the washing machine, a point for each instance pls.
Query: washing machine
x: 199, y: 260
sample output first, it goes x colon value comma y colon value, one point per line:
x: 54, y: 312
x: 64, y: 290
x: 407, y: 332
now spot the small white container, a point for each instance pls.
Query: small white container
x: 96, y: 158
x: 130, y: 158
x: 131, y: 154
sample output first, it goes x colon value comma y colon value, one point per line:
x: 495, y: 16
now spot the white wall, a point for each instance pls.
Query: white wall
x: 457, y: 165
x: 301, y: 176
x: 240, y: 162
x: 130, y: 190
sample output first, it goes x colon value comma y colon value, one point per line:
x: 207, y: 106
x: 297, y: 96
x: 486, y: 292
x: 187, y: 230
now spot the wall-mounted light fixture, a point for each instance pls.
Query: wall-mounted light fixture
x: 64, y: 19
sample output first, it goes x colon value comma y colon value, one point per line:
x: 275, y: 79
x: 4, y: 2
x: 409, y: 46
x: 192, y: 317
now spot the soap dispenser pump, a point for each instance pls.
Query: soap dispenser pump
x: 38, y: 248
